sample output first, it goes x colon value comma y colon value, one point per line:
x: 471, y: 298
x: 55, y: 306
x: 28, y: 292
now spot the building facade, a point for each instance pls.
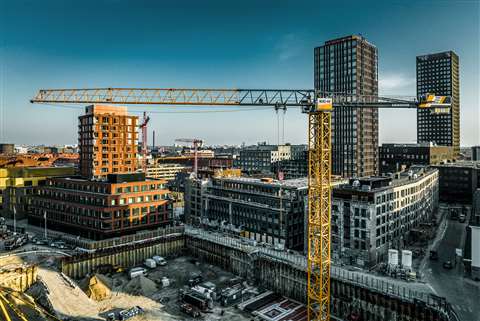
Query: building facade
x: 398, y: 157
x: 17, y: 184
x: 259, y: 158
x: 349, y: 65
x: 165, y: 171
x: 372, y: 215
x: 121, y: 204
x: 107, y: 141
x: 476, y: 153
x: 458, y: 181
x: 292, y: 168
x: 194, y: 190
x: 264, y: 210
x: 8, y: 149
x: 439, y: 74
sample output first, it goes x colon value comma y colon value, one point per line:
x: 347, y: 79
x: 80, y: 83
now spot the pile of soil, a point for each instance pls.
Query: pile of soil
x: 140, y: 286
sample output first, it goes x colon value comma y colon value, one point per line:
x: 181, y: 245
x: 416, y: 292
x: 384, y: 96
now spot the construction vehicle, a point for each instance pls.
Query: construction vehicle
x: 136, y: 272
x: 196, y: 299
x: 159, y: 260
x: 150, y: 263
x: 316, y: 104
x: 130, y: 313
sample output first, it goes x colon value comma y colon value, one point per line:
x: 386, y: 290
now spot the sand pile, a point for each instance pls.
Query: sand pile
x: 99, y: 287
x: 140, y: 286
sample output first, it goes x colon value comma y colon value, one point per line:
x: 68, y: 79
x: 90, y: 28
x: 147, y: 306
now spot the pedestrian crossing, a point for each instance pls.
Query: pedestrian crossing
x: 457, y: 307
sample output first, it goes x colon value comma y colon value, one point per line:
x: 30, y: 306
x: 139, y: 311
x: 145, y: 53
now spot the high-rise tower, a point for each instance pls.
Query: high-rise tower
x: 107, y: 141
x: 349, y: 65
x: 439, y: 74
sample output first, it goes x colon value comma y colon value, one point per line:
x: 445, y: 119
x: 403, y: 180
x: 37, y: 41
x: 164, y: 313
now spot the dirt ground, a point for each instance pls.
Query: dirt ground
x: 71, y: 302
x: 162, y: 305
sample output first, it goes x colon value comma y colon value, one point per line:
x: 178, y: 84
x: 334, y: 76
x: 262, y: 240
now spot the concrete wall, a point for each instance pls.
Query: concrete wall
x: 125, y: 256
x: 350, y: 293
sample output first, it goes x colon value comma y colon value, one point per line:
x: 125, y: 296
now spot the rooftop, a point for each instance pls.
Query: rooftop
x: 294, y: 183
x: 425, y: 144
x: 378, y: 183
x: 461, y: 164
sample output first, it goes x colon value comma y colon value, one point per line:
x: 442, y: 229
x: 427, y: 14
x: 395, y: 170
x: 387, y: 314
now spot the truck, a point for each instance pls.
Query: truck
x: 196, y: 300
x: 130, y: 313
x: 136, y: 272
x: 150, y: 263
x: 159, y: 260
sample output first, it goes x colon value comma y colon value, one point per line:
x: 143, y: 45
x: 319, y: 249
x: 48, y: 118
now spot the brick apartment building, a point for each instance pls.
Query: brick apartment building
x: 122, y: 204
x: 107, y: 140
x: 108, y: 199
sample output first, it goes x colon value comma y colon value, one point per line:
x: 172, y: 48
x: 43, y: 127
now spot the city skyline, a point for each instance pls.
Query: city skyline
x: 132, y: 48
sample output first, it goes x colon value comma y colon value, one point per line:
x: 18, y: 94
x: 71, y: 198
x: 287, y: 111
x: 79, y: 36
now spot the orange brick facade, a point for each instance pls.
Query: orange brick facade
x: 107, y: 140
x: 99, y: 210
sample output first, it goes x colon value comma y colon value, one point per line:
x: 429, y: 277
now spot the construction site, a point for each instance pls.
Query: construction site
x: 185, y: 273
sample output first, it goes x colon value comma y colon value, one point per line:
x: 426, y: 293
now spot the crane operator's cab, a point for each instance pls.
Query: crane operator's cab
x: 320, y: 105
x: 436, y: 104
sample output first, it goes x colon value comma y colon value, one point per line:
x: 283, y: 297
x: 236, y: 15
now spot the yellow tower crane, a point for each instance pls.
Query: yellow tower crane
x: 318, y: 106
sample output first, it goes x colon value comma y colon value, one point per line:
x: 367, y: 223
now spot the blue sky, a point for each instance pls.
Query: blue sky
x: 220, y: 44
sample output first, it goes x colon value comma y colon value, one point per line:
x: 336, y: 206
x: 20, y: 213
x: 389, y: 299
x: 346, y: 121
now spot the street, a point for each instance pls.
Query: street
x: 463, y: 293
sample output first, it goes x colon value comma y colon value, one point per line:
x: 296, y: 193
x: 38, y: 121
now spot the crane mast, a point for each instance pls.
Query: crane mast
x: 318, y: 106
x: 196, y: 144
x: 143, y: 127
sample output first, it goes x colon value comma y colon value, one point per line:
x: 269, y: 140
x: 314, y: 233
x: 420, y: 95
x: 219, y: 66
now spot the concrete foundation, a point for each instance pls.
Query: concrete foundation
x: 353, y: 295
x: 125, y: 256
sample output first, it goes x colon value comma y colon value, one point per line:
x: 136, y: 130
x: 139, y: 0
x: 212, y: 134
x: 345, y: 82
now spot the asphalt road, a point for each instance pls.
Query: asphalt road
x: 463, y: 293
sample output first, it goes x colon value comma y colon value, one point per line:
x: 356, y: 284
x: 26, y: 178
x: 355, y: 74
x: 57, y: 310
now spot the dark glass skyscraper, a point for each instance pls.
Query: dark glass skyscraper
x: 350, y: 65
x: 438, y: 73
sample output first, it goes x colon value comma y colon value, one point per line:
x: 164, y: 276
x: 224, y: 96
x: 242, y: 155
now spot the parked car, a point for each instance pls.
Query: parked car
x: 159, y: 260
x: 137, y: 271
x: 462, y: 218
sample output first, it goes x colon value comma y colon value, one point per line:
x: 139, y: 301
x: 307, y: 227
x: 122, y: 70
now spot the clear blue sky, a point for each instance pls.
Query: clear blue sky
x: 242, y: 44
